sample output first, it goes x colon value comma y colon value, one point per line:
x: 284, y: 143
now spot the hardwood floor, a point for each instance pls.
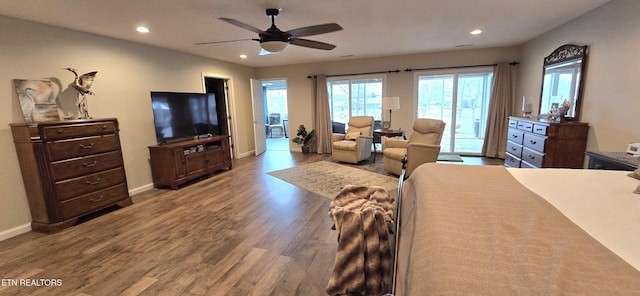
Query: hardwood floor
x: 240, y: 232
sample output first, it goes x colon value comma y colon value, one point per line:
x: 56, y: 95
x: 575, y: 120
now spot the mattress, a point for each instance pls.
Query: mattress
x: 489, y: 230
x: 601, y: 202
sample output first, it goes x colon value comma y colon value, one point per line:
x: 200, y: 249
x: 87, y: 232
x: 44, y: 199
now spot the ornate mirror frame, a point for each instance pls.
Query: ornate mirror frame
x: 563, y: 79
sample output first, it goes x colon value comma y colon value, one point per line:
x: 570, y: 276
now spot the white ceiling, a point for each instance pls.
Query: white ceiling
x: 371, y: 27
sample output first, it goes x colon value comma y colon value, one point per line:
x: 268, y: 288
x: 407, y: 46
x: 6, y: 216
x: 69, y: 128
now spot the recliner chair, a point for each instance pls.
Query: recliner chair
x: 423, y: 146
x: 355, y: 145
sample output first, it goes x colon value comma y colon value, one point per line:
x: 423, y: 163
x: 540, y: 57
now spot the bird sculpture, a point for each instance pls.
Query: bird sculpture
x: 82, y: 84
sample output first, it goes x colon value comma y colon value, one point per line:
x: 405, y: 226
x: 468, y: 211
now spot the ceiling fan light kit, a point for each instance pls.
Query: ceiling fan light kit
x: 274, y: 46
x: 274, y: 40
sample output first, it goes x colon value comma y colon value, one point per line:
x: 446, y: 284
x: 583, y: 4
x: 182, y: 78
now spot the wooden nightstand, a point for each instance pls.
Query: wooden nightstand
x: 612, y: 161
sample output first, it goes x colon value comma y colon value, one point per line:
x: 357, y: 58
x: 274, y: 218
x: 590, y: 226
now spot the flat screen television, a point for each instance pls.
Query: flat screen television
x: 182, y: 116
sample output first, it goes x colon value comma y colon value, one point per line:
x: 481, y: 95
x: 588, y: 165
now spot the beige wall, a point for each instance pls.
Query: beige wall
x: 127, y: 72
x: 300, y: 89
x: 611, y: 98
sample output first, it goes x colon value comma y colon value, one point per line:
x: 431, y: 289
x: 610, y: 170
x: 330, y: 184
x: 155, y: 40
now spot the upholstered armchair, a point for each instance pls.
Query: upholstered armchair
x: 355, y: 145
x: 423, y: 146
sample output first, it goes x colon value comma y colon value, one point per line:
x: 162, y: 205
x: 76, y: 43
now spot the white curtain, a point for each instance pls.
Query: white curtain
x: 495, y: 139
x: 322, y: 116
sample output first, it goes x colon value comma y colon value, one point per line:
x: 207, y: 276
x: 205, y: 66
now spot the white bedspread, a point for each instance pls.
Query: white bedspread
x: 600, y: 202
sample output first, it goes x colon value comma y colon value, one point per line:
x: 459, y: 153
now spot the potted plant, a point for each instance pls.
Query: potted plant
x: 303, y: 138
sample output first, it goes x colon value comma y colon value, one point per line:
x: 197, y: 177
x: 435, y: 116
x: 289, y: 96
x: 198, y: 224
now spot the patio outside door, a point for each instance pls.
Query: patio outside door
x: 461, y: 99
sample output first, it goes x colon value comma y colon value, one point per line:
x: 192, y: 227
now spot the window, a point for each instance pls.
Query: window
x: 355, y: 97
x: 461, y: 99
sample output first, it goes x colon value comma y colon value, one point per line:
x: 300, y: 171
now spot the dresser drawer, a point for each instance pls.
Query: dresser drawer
x: 514, y: 149
x: 534, y: 142
x: 511, y: 161
x: 532, y: 157
x: 80, y: 166
x: 82, y: 146
x: 525, y: 126
x: 92, y: 201
x: 79, y: 130
x: 81, y: 185
x: 515, y: 136
x: 527, y: 165
x: 540, y: 129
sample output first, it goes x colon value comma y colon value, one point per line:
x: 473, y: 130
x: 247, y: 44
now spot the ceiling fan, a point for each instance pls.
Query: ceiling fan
x: 274, y: 40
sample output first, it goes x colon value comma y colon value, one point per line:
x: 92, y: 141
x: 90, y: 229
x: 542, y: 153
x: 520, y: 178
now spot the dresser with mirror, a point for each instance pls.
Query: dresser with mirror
x: 552, y: 139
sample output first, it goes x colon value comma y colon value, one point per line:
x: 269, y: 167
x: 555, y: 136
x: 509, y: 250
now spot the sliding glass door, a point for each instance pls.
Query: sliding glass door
x: 461, y: 99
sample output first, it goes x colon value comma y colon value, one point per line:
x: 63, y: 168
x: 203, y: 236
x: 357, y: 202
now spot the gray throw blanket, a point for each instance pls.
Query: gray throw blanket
x: 363, y: 219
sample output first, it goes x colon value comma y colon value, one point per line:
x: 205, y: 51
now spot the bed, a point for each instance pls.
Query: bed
x: 491, y: 230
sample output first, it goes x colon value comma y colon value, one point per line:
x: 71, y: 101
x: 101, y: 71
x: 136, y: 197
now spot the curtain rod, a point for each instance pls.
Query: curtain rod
x: 410, y: 70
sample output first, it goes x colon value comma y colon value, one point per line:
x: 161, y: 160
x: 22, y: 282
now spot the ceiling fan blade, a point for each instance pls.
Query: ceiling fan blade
x: 242, y: 25
x: 311, y: 43
x: 225, y: 41
x: 314, y: 30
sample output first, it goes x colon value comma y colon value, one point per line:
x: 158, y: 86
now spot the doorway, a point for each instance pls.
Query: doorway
x: 276, y: 114
x: 220, y: 87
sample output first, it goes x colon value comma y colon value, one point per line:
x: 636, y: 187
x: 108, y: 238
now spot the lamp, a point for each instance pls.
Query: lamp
x: 390, y: 103
x: 274, y: 46
x: 527, y: 108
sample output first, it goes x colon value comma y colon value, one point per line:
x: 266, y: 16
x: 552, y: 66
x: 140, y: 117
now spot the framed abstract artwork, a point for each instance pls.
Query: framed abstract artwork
x: 37, y: 100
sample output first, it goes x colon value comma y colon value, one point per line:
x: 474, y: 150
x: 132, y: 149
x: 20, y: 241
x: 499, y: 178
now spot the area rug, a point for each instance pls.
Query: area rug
x: 450, y: 157
x: 328, y: 178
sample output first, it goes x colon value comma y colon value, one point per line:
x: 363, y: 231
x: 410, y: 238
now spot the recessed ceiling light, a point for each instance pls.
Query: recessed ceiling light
x: 243, y: 56
x: 476, y: 32
x: 142, y: 29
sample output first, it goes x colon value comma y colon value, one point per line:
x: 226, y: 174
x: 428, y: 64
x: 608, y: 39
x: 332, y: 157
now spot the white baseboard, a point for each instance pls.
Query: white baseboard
x: 9, y: 233
x: 250, y: 153
x: 140, y: 189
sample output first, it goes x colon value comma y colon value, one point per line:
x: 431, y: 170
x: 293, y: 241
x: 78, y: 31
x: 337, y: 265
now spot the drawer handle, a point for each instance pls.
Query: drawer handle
x: 94, y: 182
x: 104, y: 127
x: 531, y: 156
x: 90, y: 146
x: 532, y: 142
x: 538, y: 129
x: 514, y: 136
x: 94, y: 200
x: 91, y: 164
x: 513, y: 149
x: 59, y: 131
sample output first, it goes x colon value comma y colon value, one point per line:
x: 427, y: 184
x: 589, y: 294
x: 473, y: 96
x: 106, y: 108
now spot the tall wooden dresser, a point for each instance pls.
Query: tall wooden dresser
x: 542, y: 144
x: 70, y: 169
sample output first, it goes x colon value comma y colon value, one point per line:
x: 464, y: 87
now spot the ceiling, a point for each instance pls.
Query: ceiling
x: 371, y: 28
